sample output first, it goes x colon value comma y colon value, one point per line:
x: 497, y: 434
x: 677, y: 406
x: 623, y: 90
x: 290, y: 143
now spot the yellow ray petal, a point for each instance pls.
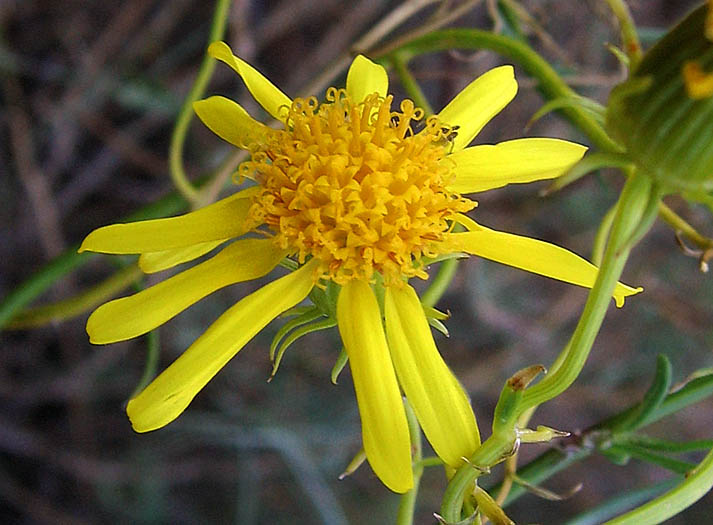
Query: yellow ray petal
x: 170, y: 393
x: 534, y: 256
x: 364, y: 78
x: 479, y: 102
x: 485, y: 167
x: 137, y: 314
x: 221, y: 220
x: 439, y: 401
x: 262, y: 90
x: 229, y: 121
x: 383, y: 419
x: 152, y: 262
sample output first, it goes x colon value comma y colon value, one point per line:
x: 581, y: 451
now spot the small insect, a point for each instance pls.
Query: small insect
x: 450, y: 134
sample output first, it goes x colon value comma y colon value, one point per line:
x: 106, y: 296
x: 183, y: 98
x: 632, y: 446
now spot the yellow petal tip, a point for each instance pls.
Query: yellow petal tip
x: 219, y: 49
x: 86, y: 245
x: 621, y: 296
x: 135, y: 423
x: 507, y: 68
x: 402, y: 489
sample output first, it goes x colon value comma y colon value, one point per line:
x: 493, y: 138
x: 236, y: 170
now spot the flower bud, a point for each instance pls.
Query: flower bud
x: 663, y: 114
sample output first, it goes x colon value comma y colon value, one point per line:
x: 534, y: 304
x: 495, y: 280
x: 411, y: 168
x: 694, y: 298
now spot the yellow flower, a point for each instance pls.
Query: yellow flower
x: 352, y: 191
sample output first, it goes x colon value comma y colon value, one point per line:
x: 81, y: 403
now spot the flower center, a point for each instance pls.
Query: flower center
x: 352, y: 185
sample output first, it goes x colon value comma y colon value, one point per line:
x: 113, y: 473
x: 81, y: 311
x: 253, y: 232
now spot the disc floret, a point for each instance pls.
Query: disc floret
x: 353, y: 185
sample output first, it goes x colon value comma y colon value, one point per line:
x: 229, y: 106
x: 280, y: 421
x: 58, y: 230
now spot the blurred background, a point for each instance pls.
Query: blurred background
x: 90, y: 92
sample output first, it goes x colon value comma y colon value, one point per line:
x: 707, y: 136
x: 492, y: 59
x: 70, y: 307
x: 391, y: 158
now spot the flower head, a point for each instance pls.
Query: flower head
x: 661, y: 114
x: 357, y: 194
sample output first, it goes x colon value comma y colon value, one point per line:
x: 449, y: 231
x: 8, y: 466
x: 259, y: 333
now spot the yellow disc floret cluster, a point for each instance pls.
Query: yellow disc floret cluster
x: 353, y: 185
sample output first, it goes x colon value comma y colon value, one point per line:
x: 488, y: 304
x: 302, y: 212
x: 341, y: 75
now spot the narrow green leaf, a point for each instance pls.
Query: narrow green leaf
x: 693, y: 487
x: 652, y: 399
x: 674, y: 465
x: 71, y: 260
x: 693, y: 392
x: 626, y: 501
x: 664, y: 445
x: 616, y: 455
x: 78, y: 304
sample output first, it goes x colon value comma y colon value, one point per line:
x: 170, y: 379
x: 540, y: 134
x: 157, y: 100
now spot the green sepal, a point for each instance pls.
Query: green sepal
x: 593, y: 108
x: 435, y: 318
x: 434, y: 313
x: 325, y: 298
x: 302, y: 319
x: 619, y: 55
x: 588, y: 164
x: 470, y: 520
x: 507, y: 409
x: 438, y: 325
x: 303, y: 330
x: 339, y: 365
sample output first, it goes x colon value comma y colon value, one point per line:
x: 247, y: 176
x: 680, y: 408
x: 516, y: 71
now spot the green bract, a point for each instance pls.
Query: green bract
x: 667, y: 132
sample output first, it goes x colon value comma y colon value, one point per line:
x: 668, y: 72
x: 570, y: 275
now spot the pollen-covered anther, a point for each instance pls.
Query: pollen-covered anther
x: 357, y: 186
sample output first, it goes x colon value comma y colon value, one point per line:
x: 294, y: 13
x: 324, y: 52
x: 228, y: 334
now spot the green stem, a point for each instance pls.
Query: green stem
x: 180, y: 130
x: 71, y: 260
x: 501, y: 444
x: 600, y: 239
x: 497, y: 446
x: 407, y: 504
x: 677, y: 223
x: 77, y: 305
x: 556, y: 460
x: 629, y: 36
x: 550, y: 83
x: 409, y: 82
x: 440, y: 282
x: 632, y: 203
x: 151, y: 363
